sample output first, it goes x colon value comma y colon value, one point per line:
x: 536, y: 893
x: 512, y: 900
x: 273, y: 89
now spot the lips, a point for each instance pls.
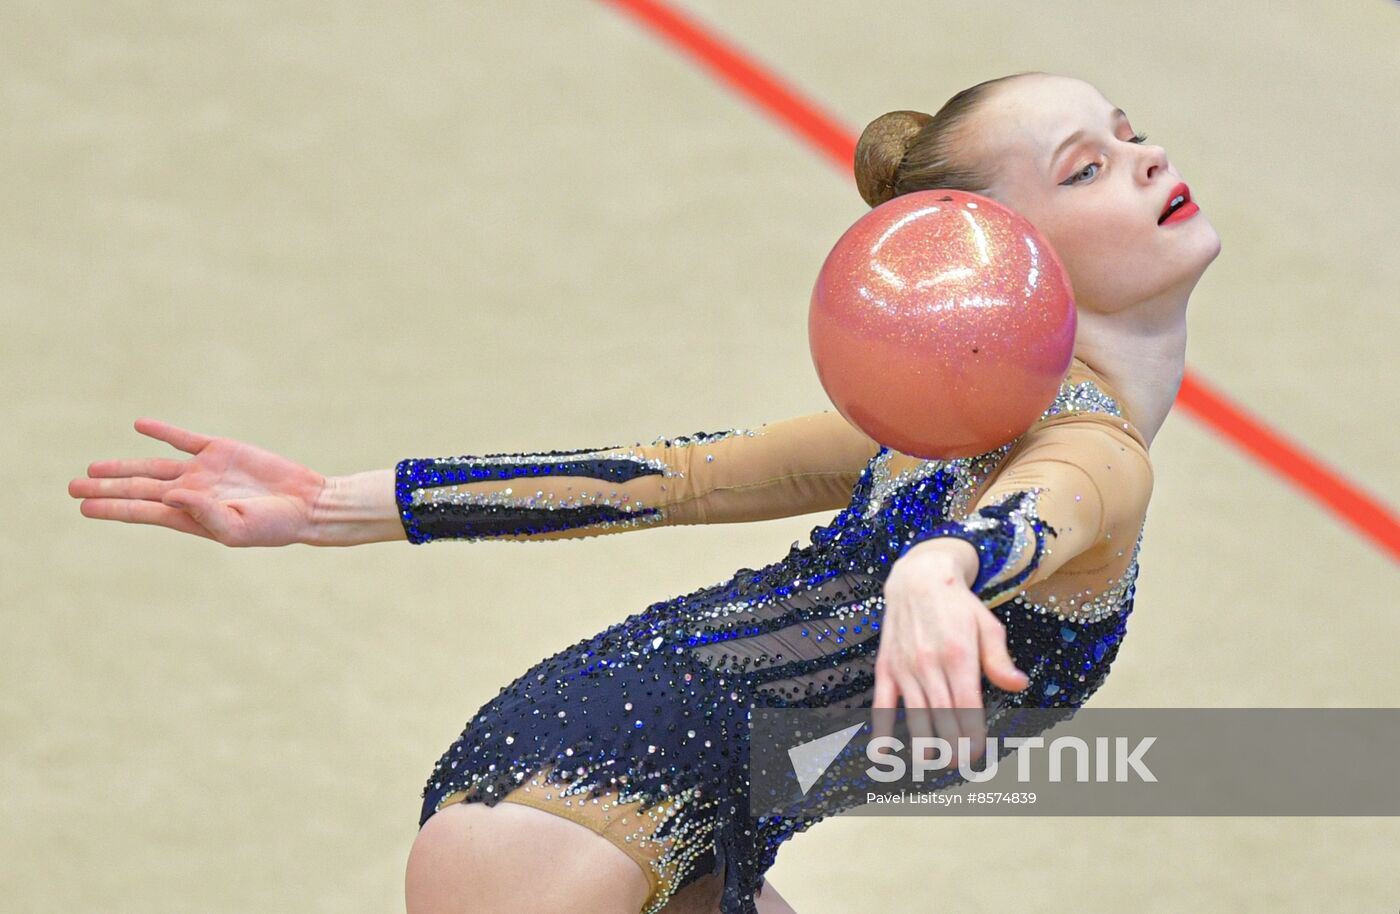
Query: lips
x: 1180, y: 191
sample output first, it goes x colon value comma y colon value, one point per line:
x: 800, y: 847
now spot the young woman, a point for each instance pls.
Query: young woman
x: 942, y: 585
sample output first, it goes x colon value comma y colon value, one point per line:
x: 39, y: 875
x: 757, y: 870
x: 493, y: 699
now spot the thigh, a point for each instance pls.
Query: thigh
x: 702, y: 897
x: 512, y: 859
x: 770, y: 902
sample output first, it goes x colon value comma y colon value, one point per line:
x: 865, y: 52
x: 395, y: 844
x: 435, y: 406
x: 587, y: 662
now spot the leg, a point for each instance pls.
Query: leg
x: 470, y: 858
x: 770, y: 902
x: 702, y: 897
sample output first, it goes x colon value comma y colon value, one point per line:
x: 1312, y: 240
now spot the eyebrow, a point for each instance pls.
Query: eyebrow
x: 1079, y: 135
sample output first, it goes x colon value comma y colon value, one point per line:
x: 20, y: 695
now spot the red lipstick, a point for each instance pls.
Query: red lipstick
x: 1178, y: 206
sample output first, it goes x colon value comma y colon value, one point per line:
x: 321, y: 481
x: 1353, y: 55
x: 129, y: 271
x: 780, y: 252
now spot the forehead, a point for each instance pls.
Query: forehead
x: 1022, y: 123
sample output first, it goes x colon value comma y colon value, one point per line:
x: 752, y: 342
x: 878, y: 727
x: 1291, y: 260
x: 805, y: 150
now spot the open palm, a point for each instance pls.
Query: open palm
x: 235, y: 493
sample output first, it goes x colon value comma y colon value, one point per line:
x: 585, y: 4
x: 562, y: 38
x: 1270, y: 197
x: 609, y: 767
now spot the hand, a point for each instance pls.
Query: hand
x: 234, y: 493
x: 935, y: 638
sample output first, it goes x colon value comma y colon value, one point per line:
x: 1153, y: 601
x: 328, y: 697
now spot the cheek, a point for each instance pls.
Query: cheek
x: 1079, y: 244
x: 1096, y: 239
x: 1100, y: 252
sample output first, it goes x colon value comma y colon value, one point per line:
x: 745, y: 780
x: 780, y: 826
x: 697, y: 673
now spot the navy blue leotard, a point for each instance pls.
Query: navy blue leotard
x: 651, y: 713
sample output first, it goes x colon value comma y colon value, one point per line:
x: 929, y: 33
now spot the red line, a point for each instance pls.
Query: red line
x: 785, y: 104
x: 1364, y: 512
x: 753, y: 82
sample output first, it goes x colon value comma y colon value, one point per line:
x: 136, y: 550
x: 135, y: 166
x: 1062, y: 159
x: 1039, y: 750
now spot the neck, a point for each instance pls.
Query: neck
x: 1141, y: 352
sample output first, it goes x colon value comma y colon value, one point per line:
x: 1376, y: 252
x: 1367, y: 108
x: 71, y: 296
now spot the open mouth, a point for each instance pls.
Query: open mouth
x: 1179, y: 203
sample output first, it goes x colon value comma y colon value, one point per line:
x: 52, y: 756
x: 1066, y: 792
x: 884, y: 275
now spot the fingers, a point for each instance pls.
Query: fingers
x: 885, y: 702
x: 996, y: 660
x: 925, y: 711
x: 125, y: 487
x: 964, y: 684
x: 141, y: 512
x: 153, y: 468
x: 187, y: 441
x: 939, y: 701
x: 917, y: 715
x: 939, y: 642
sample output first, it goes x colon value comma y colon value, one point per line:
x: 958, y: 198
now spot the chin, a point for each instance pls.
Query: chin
x: 1212, y: 246
x: 1209, y: 252
x: 1201, y: 254
x: 1218, y: 245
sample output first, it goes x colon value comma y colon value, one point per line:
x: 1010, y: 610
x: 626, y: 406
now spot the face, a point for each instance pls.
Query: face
x: 1096, y: 200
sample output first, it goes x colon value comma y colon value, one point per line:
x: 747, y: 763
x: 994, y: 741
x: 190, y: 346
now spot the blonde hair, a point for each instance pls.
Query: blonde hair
x: 905, y: 151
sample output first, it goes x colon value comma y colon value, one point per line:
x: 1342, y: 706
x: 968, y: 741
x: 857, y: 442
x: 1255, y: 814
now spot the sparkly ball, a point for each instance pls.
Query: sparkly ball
x: 942, y: 324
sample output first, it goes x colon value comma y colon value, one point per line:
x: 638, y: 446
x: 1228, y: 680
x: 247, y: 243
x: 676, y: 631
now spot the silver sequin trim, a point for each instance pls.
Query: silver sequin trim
x: 1089, y: 606
x: 554, y: 460
x: 965, y: 472
x: 967, y: 475
x: 1084, y: 397
x: 451, y: 494
x: 458, y: 494
x: 711, y: 438
x: 1023, y: 540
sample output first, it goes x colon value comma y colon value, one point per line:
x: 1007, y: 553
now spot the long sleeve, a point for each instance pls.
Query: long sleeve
x: 1069, y: 502
x: 794, y: 466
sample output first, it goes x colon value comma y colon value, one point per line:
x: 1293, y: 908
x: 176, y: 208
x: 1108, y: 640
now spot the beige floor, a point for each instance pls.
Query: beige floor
x: 356, y: 236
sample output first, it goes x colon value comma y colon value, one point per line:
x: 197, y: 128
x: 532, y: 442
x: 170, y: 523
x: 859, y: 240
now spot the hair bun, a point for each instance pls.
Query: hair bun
x: 881, y: 148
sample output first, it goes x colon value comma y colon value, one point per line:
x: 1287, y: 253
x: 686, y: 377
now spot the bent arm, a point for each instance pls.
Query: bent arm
x: 790, y: 467
x: 1073, y: 485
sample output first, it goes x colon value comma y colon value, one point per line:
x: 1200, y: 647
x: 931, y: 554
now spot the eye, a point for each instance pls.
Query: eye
x: 1071, y: 180
x: 1136, y: 138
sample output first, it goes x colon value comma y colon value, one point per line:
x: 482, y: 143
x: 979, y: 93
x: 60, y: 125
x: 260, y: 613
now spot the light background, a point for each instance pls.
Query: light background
x: 355, y: 233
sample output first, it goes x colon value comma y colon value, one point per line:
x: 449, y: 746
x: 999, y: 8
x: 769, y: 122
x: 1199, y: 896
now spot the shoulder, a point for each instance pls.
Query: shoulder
x: 1087, y: 427
x: 1085, y: 396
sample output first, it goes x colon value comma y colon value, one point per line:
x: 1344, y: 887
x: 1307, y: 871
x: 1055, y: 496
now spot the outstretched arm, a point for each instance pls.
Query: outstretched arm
x: 241, y: 495
x: 794, y: 466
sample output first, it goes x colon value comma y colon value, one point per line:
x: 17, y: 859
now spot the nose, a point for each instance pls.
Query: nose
x: 1154, y: 159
